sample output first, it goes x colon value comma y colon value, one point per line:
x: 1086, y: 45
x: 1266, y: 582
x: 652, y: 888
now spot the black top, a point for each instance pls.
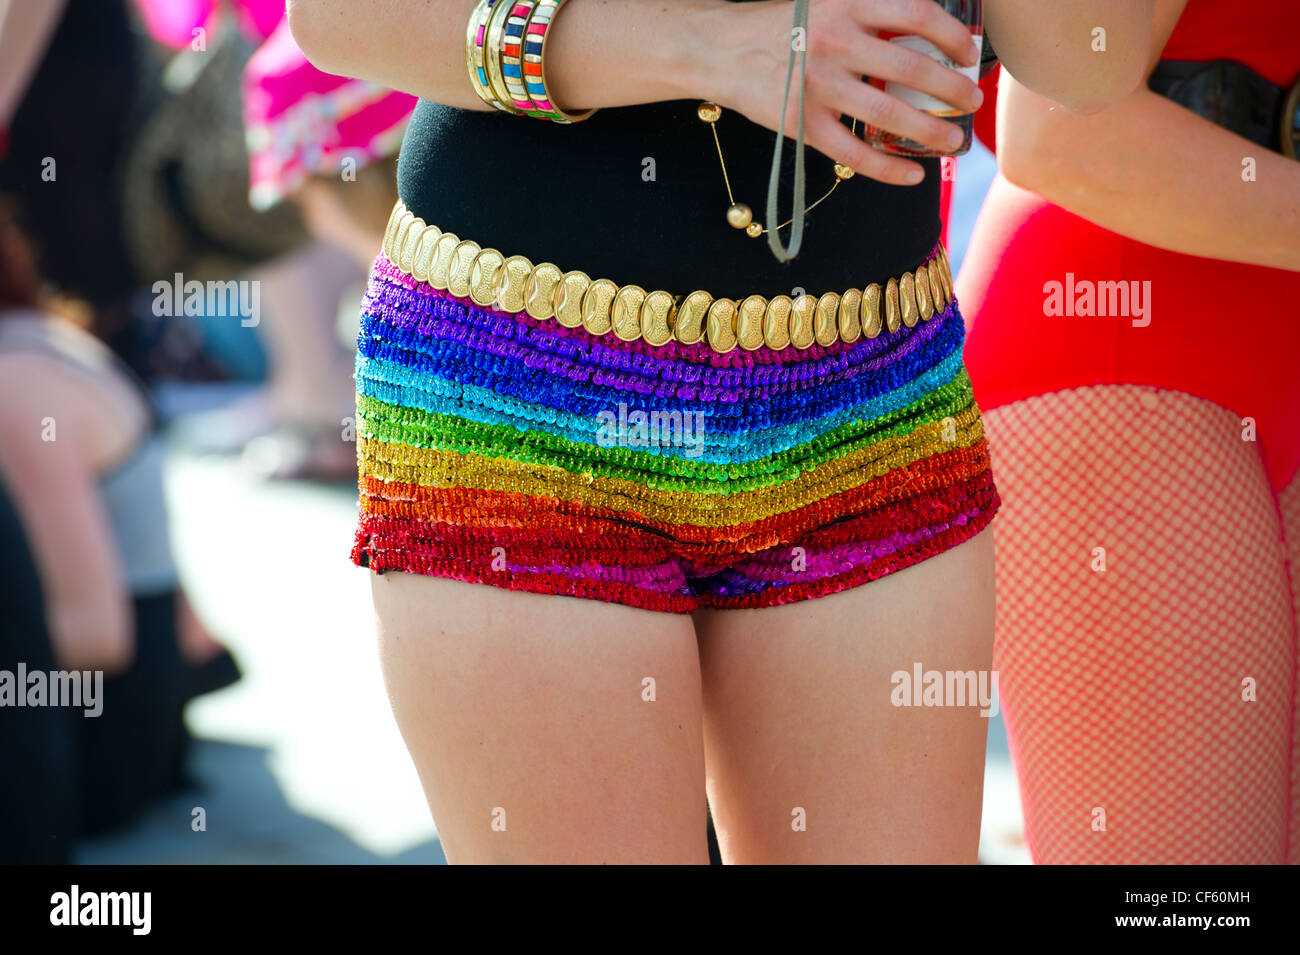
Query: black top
x: 575, y: 195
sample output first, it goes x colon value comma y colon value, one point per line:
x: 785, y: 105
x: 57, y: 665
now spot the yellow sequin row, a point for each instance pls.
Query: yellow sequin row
x: 449, y: 469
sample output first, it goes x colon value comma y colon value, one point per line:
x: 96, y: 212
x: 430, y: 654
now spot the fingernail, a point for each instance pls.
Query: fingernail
x: 976, y: 50
x: 977, y: 98
x: 956, y: 137
x: 914, y: 175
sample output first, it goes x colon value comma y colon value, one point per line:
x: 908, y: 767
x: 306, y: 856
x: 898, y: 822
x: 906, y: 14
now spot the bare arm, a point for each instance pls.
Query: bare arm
x: 1149, y: 169
x: 54, y: 487
x: 613, y: 53
x: 622, y: 52
x: 1053, y: 48
x: 604, y: 53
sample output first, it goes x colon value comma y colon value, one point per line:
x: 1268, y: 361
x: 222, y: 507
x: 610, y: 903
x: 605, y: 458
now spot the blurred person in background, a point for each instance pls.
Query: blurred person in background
x: 1146, y: 437
x: 89, y: 581
x: 327, y: 144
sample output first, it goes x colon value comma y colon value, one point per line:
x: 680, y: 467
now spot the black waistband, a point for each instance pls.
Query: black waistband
x: 1227, y: 93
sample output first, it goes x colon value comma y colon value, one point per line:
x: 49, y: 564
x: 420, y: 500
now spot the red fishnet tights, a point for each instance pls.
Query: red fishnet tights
x: 1122, y: 688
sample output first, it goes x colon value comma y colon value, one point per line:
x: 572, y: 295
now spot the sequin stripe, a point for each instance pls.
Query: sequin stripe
x: 519, y: 525
x: 715, y: 457
x: 611, y: 541
x: 446, y: 319
x: 750, y: 578
x: 800, y: 590
x: 777, y: 567
x: 661, y: 576
x: 539, y: 448
x: 649, y: 375
x: 383, y: 560
x: 943, y: 497
x: 773, y: 566
x: 699, y: 354
x: 481, y: 408
x: 371, y: 552
x: 453, y: 468
x: 447, y: 506
x: 556, y: 381
x: 604, y: 542
x: 664, y: 578
x: 840, y: 521
x: 721, y: 512
x: 583, y: 390
x: 798, y: 485
x: 545, y: 402
x: 452, y: 433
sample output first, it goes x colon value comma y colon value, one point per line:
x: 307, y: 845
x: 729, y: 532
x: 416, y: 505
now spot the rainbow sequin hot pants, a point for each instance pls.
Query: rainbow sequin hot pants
x: 503, y: 449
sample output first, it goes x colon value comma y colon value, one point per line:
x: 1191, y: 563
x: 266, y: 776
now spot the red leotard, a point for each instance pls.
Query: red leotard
x: 1219, y: 330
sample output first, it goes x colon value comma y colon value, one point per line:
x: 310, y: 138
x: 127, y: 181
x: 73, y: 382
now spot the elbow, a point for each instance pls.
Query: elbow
x: 314, y: 25
x: 1103, y: 88
x: 1096, y: 99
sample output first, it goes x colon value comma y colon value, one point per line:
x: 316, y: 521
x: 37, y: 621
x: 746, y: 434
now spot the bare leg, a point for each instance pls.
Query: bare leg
x: 798, y: 716
x: 310, y: 372
x: 527, y: 720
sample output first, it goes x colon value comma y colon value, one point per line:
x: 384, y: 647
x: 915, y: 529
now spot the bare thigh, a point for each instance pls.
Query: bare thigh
x: 530, y: 722
x: 799, y: 721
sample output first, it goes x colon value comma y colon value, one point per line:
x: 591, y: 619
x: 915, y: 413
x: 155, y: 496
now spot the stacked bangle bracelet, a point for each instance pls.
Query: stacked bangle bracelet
x: 505, y: 46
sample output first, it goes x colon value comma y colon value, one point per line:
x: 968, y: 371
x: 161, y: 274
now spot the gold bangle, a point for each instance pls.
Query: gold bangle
x: 492, y: 45
x: 535, y: 31
x: 476, y: 53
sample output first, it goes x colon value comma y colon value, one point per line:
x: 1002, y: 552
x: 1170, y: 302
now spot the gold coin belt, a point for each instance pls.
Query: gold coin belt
x: 544, y: 291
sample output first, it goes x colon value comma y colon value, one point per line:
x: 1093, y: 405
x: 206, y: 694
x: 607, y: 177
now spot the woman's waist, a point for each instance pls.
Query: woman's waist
x: 686, y: 314
x: 643, y: 247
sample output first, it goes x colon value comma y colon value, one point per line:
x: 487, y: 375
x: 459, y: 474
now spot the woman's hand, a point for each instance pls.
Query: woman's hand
x: 745, y: 69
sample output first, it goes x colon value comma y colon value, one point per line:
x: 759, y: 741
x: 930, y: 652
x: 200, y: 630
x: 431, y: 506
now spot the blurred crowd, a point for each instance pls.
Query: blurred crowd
x: 183, y: 199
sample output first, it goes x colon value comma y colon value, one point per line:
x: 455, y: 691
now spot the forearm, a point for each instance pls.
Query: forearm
x: 1053, y: 48
x: 90, y: 617
x: 1149, y: 169
x: 600, y: 52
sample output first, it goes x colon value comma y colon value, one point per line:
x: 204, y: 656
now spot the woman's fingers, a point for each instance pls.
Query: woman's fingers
x: 919, y: 18
x: 846, y: 94
x: 893, y: 62
x: 829, y: 136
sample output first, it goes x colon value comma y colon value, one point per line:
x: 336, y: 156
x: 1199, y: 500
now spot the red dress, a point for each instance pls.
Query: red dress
x: 1219, y: 330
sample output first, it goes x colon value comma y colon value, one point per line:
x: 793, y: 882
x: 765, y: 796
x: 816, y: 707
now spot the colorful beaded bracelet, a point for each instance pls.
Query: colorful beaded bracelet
x: 514, y: 284
x: 505, y: 41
